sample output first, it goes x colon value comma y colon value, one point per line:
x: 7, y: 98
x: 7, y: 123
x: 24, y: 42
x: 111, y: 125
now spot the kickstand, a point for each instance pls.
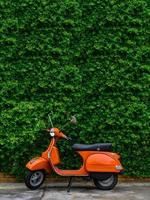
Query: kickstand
x: 69, y: 184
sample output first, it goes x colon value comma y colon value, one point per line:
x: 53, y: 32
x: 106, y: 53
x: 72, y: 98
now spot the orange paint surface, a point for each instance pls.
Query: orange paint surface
x: 39, y: 164
x: 101, y: 163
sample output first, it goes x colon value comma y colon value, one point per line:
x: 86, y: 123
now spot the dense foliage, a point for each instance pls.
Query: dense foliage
x: 84, y: 58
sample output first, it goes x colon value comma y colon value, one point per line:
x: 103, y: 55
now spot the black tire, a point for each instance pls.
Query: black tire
x: 107, y: 184
x: 33, y: 182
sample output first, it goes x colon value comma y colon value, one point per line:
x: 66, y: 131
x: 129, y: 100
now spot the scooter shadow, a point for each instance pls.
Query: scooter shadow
x: 64, y: 188
x: 80, y: 188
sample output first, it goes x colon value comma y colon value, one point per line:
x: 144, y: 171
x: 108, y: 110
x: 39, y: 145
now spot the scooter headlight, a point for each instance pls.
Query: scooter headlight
x: 52, y: 133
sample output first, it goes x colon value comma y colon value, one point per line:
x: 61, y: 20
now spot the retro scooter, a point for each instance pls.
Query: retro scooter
x: 100, y: 164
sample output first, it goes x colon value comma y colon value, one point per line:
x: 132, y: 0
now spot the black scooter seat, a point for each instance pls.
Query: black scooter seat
x: 93, y: 147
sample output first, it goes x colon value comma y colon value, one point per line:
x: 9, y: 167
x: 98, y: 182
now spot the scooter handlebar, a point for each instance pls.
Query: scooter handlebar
x: 62, y: 135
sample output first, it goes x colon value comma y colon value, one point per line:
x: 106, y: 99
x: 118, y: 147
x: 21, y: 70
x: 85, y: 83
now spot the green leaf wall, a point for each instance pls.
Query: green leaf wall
x: 84, y: 58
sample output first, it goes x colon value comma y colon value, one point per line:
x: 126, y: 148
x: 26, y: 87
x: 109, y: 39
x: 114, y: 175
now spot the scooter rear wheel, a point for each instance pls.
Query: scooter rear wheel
x: 106, y: 184
x: 34, y: 179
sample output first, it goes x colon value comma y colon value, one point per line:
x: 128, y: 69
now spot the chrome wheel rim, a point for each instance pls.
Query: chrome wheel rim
x: 36, y: 178
x: 107, y: 182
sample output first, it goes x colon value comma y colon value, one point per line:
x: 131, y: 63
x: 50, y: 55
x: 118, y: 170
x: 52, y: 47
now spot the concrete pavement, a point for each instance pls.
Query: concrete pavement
x: 80, y: 190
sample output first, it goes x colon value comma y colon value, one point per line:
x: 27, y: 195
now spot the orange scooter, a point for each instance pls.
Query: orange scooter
x: 99, y: 164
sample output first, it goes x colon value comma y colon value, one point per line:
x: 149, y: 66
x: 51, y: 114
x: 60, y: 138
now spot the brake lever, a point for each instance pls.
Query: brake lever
x: 46, y: 129
x: 69, y: 138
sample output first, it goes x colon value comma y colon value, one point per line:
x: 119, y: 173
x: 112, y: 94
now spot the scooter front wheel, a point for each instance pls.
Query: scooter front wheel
x: 34, y: 179
x: 106, y: 184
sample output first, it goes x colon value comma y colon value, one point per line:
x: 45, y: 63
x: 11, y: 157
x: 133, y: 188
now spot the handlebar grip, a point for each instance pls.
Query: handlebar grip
x: 46, y: 129
x: 69, y: 138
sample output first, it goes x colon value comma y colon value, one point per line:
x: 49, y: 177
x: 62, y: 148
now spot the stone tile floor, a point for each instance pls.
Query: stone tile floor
x: 80, y: 190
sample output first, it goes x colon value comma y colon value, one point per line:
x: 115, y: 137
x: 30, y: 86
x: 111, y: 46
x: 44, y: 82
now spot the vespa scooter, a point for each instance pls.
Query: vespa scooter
x: 100, y: 164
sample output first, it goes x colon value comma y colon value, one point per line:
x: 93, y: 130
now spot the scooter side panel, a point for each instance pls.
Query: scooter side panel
x: 102, y: 163
x: 39, y: 164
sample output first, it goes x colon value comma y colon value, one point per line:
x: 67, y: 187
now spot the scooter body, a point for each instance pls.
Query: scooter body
x: 96, y: 163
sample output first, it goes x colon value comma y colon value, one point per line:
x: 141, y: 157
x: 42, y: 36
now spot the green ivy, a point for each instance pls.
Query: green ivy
x: 84, y: 58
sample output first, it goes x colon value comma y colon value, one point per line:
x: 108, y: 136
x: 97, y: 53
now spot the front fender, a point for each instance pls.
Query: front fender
x: 39, y: 164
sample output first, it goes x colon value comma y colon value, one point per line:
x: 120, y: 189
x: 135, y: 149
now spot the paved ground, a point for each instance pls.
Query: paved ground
x: 81, y: 190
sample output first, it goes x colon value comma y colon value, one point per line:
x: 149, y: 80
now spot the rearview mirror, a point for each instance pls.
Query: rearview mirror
x: 73, y: 120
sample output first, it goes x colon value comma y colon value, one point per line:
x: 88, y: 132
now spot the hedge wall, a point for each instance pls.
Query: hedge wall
x: 84, y: 58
